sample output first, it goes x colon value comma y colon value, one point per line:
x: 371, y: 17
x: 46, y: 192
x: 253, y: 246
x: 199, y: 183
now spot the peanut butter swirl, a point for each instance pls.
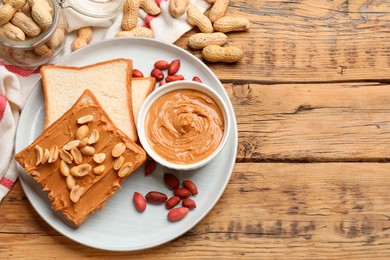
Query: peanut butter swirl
x: 184, y: 126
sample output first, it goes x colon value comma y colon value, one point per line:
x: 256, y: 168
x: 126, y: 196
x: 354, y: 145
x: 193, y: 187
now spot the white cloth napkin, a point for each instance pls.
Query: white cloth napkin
x: 16, y: 83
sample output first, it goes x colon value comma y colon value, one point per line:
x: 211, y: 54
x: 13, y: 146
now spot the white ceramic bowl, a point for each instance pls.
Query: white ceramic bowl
x: 177, y: 85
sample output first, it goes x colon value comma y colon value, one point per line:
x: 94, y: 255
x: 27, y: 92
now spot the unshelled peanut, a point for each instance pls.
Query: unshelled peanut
x: 136, y: 32
x: 178, y: 7
x: 231, y: 24
x: 41, y: 13
x: 57, y: 39
x: 150, y: 7
x: 218, y: 9
x: 215, y: 53
x: 12, y: 32
x: 44, y: 50
x: 196, y: 18
x: 9, y: 8
x: 130, y: 15
x: 201, y: 40
x: 85, y: 35
x: 27, y: 24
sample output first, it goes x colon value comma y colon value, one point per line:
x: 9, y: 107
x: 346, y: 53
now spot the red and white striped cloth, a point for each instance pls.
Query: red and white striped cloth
x: 16, y: 83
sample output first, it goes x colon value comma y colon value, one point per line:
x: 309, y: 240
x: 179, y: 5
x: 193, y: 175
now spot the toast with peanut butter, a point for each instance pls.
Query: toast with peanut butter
x: 81, y: 159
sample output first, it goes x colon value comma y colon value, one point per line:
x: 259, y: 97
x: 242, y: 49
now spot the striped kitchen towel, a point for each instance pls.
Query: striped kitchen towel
x: 16, y: 83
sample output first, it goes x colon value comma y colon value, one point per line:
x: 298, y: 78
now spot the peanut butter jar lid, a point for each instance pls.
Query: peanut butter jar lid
x: 95, y: 8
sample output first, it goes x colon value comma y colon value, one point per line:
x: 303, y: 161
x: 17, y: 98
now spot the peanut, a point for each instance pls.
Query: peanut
x: 201, y: 40
x: 57, y: 39
x: 215, y: 53
x: 9, y: 9
x: 150, y: 7
x: 26, y: 9
x: 41, y: 13
x: 231, y: 24
x: 136, y: 32
x: 178, y: 7
x: 196, y: 18
x: 130, y: 15
x: 84, y: 37
x: 28, y: 26
x: 218, y: 9
x: 12, y: 32
x: 44, y: 50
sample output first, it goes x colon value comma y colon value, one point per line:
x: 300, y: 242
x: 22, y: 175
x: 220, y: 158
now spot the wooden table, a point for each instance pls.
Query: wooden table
x: 312, y: 174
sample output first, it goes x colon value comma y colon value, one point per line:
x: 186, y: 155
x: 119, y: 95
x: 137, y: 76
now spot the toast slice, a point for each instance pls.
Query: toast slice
x: 140, y: 89
x: 110, y: 81
x: 98, y: 184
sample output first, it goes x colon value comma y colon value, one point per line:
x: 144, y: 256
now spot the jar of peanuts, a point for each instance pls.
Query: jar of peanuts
x: 32, y: 32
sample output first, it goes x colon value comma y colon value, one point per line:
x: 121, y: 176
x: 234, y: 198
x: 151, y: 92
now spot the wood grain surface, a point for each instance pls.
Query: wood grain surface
x: 312, y: 174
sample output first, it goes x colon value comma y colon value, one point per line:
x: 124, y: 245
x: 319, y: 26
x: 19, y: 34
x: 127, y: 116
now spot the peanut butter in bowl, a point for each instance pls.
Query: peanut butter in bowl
x: 183, y: 125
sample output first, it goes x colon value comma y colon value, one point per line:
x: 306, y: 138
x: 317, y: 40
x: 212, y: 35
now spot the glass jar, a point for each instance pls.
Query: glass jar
x: 37, y: 51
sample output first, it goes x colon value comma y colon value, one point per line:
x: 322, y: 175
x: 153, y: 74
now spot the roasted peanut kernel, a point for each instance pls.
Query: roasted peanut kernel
x: 83, y: 142
x: 94, y: 137
x: 53, y: 156
x: 118, y: 149
x: 99, y: 157
x: 71, y: 144
x: 119, y: 162
x: 84, y: 119
x: 87, y: 150
x: 80, y: 170
x: 66, y: 156
x: 39, y: 152
x: 125, y: 169
x: 70, y: 182
x: 82, y: 132
x: 76, y: 193
x: 46, y: 155
x: 77, y: 156
x: 64, y: 168
x: 99, y: 169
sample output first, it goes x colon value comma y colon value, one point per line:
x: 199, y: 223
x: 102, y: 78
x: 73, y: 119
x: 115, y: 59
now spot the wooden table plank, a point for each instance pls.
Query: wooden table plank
x: 309, y: 41
x: 312, y: 122
x: 337, y: 210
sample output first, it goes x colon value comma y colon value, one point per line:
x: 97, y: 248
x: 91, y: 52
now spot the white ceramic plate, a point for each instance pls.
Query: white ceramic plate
x: 119, y: 227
